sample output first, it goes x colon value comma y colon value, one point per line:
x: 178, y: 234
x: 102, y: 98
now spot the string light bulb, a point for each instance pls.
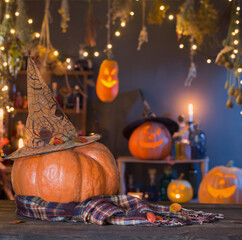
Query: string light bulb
x: 171, y: 17
x: 5, y: 64
x: 236, y: 42
x: 117, y: 33
x: 131, y: 13
x: 162, y: 7
x: 235, y: 51
x: 238, y: 8
x: 37, y: 35
x: 68, y: 60
x: 2, y: 48
x: 109, y: 46
x: 239, y: 70
x: 30, y: 21
x: 194, y: 46
x: 181, y: 46
x: 7, y: 16
x: 233, y: 56
x: 16, y: 14
x: 96, y: 53
x: 5, y: 88
x: 237, y: 21
x: 123, y: 24
x: 85, y: 54
x: 56, y: 53
x: 12, y: 31
x: 209, y: 60
x: 6, y: 1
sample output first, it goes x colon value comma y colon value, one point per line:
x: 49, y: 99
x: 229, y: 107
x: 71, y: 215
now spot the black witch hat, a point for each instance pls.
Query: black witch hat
x: 148, y: 116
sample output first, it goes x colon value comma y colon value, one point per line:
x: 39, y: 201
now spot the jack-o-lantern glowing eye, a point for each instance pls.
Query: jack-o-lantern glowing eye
x: 113, y: 72
x: 158, y: 132
x: 106, y: 71
x: 173, y: 187
x: 146, y: 130
x: 182, y: 187
x: 231, y: 176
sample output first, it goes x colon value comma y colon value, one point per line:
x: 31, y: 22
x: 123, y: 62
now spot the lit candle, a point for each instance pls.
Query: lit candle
x: 190, y: 112
x: 1, y: 123
x: 20, y: 143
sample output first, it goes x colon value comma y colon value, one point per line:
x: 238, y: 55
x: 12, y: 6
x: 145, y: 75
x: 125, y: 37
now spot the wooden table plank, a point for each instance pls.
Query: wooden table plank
x: 36, y: 229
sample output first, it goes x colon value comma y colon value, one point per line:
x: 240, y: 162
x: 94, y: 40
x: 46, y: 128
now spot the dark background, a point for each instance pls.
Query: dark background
x: 159, y: 69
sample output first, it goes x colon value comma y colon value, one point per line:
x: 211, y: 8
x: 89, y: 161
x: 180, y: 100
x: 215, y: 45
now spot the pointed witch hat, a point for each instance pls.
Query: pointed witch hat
x: 47, y: 127
x: 148, y: 116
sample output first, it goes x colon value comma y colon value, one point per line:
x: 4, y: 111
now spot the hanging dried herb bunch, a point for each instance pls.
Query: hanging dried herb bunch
x: 121, y: 9
x: 197, y: 24
x: 157, y: 12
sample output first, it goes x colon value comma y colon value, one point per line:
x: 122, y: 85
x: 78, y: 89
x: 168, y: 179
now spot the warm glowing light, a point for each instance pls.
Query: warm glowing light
x: 240, y: 112
x: 209, y: 60
x: 20, y: 143
x: 239, y: 70
x: 236, y: 42
x: 117, y: 33
x: 240, y: 81
x: 123, y: 24
x: 181, y: 45
x: 68, y: 60
x: 109, y: 46
x: 136, y: 194
x: 12, y: 31
x: 194, y: 46
x: 236, y: 30
x: 16, y: 14
x: 171, y: 17
x: 233, y: 56
x: 2, y: 48
x: 96, y: 54
x: 7, y: 16
x: 5, y: 64
x: 56, y: 53
x: 30, y: 21
x: 131, y: 13
x: 235, y: 51
x: 237, y: 21
x: 1, y: 113
x: 85, y: 54
x: 37, y: 35
x: 162, y: 7
x: 5, y: 88
x: 68, y: 67
x: 238, y: 8
x: 6, y: 1
x: 190, y: 112
x: 178, y: 196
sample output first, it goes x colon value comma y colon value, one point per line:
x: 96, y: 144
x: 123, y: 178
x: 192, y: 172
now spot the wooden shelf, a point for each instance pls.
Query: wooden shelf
x: 69, y: 73
x: 66, y: 111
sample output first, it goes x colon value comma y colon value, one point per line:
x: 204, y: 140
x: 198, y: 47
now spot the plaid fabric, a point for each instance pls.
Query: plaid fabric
x: 116, y: 209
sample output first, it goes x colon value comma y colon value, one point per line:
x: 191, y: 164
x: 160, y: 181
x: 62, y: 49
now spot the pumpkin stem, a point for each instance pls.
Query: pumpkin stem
x: 181, y: 176
x: 230, y: 163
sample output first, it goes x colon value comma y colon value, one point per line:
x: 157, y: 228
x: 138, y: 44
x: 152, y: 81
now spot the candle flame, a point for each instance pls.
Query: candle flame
x: 20, y: 143
x: 190, y: 109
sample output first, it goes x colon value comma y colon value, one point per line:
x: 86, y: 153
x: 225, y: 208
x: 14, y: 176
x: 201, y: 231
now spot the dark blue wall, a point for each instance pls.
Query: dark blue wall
x: 159, y: 69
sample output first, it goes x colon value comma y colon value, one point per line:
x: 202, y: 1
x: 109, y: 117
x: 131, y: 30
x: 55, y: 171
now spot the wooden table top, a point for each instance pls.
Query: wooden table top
x: 36, y: 229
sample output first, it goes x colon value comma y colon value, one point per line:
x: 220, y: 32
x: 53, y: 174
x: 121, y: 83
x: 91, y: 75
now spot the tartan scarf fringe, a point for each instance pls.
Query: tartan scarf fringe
x: 116, y: 209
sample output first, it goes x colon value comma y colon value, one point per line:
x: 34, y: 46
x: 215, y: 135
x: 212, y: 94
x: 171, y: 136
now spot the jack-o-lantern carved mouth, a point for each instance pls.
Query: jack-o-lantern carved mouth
x: 177, y: 195
x: 221, y: 193
x: 109, y: 84
x: 151, y: 144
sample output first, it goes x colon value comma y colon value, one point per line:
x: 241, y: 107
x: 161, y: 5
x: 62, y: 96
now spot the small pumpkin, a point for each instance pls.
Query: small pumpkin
x: 222, y: 184
x: 107, y: 82
x: 69, y: 175
x: 180, y: 190
x: 151, y: 140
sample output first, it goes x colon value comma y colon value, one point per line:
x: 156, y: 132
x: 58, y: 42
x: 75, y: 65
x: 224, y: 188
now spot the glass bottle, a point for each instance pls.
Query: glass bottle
x: 152, y: 193
x: 198, y: 143
x: 192, y: 175
x: 164, y: 182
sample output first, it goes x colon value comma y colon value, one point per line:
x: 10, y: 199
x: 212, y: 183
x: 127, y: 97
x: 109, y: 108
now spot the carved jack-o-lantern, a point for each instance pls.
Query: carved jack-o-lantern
x: 221, y: 185
x: 107, y: 82
x: 180, y: 190
x: 151, y: 140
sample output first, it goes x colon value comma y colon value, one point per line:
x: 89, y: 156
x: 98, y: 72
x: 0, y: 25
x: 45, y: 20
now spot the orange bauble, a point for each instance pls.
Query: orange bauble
x: 221, y: 185
x: 69, y: 175
x: 151, y: 140
x: 180, y: 191
x: 107, y: 82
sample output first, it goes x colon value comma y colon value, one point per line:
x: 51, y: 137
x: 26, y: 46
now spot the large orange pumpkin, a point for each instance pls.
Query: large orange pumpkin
x: 151, y: 140
x: 221, y: 185
x: 107, y: 82
x: 69, y: 175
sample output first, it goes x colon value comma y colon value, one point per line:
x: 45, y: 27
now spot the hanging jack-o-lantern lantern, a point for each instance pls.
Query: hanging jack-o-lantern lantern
x: 151, y: 140
x: 180, y: 190
x: 221, y: 185
x: 107, y: 82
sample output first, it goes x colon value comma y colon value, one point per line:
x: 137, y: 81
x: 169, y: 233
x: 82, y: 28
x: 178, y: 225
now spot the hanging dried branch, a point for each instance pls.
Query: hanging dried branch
x: 65, y: 15
x: 121, y: 9
x: 90, y: 37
